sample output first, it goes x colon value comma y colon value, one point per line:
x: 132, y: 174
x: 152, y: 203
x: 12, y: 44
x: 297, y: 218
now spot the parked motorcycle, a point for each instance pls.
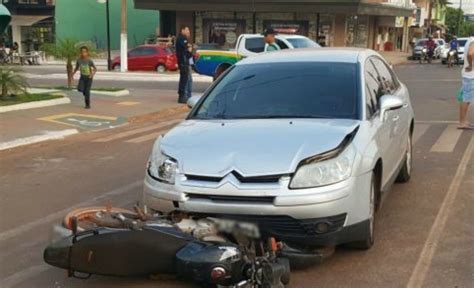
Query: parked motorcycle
x: 210, y: 251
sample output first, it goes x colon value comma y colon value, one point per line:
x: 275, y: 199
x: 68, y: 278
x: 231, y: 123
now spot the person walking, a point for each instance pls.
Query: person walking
x: 270, y: 41
x: 184, y: 55
x: 87, y: 69
x: 467, y: 90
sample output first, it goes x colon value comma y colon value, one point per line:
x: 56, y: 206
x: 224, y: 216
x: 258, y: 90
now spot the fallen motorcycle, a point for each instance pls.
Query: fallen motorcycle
x: 210, y: 251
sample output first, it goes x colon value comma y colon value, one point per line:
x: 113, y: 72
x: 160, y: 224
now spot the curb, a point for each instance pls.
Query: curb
x: 49, y: 135
x: 35, y: 104
x: 119, y: 93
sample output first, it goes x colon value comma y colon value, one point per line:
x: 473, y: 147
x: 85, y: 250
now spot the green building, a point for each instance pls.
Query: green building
x: 85, y: 20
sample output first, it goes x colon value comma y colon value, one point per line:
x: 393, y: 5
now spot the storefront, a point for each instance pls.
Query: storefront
x: 331, y: 23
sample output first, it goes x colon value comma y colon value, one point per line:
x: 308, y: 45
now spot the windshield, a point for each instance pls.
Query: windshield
x: 302, y: 43
x: 284, y: 90
x: 421, y: 43
x: 461, y: 43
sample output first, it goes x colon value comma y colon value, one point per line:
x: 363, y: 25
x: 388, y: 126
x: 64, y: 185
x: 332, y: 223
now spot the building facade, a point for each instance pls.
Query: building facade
x: 85, y: 20
x: 31, y: 25
x: 377, y: 24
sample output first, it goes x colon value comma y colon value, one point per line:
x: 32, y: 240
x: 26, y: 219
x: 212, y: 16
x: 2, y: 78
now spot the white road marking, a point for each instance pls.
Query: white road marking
x: 49, y: 135
x: 8, y: 234
x: 420, y: 129
x: 448, y: 140
x: 135, y: 131
x: 435, y: 122
x: 23, y: 275
x: 424, y: 261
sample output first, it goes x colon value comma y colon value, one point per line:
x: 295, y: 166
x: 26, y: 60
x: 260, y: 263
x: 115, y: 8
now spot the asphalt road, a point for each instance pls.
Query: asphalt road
x: 424, y: 231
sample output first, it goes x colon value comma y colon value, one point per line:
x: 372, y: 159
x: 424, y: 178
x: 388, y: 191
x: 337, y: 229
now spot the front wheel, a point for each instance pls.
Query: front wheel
x: 405, y: 174
x: 117, y: 68
x: 369, y: 238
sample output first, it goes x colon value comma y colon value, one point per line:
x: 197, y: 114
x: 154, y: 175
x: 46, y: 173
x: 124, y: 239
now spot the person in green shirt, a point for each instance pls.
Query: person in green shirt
x: 87, y: 69
x: 270, y: 41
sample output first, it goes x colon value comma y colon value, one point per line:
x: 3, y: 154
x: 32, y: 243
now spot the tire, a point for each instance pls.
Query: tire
x: 405, y: 173
x: 161, y: 68
x: 369, y: 238
x: 116, y: 68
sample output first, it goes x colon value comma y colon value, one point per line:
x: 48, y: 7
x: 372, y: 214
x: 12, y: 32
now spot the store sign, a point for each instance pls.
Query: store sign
x: 399, y: 21
x: 223, y: 33
x: 288, y: 27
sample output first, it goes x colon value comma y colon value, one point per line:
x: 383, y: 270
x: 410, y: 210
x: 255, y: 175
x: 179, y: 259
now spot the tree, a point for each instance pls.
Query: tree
x: 67, y: 50
x: 454, y: 17
x: 12, y: 82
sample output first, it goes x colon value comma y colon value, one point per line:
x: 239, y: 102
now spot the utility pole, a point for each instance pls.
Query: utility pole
x: 109, y: 58
x: 123, y: 39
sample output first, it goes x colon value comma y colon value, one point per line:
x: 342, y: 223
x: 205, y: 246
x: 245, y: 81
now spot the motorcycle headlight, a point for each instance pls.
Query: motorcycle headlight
x: 325, y: 172
x: 425, y: 50
x: 451, y: 53
x: 160, y: 166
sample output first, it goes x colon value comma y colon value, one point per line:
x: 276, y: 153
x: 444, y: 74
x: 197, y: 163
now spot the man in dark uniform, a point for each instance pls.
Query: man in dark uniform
x: 184, y: 53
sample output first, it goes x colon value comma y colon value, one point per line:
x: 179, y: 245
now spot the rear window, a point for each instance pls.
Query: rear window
x: 421, y: 43
x: 256, y: 45
x: 284, y: 90
x: 302, y: 43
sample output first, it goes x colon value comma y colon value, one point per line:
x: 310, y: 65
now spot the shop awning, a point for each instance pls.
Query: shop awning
x: 5, y: 18
x: 357, y: 7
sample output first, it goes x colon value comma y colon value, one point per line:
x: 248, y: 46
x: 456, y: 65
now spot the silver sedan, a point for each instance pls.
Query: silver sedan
x: 304, y: 142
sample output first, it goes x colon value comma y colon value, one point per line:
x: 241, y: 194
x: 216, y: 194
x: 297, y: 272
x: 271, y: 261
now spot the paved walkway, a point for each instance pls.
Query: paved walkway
x: 20, y: 127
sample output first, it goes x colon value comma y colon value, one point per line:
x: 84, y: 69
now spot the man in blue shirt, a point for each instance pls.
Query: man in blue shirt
x: 453, y: 46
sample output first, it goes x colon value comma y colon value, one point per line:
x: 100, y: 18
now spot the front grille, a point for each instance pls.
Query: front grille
x: 231, y: 199
x: 242, y: 179
x: 288, y: 226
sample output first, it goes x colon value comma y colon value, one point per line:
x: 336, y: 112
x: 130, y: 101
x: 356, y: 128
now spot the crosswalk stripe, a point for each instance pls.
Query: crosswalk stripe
x: 420, y: 130
x: 151, y: 136
x: 136, y: 131
x: 448, y: 140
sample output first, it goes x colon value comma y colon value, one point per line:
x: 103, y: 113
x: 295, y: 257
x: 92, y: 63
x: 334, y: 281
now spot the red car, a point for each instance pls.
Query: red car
x: 149, y: 57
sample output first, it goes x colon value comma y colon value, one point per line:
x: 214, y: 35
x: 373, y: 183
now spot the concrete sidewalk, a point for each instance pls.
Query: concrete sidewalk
x: 395, y: 58
x: 34, y: 125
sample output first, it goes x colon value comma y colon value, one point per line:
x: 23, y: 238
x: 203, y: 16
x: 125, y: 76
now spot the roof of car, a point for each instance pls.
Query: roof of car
x: 336, y: 55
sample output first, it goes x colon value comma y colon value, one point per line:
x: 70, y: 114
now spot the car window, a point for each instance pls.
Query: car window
x: 373, y: 89
x: 255, y: 44
x: 385, y: 76
x: 281, y: 44
x: 421, y: 43
x: 302, y: 42
x: 135, y: 52
x: 441, y: 42
x: 148, y: 51
x: 284, y: 90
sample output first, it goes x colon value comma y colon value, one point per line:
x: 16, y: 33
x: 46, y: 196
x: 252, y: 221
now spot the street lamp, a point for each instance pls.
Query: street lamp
x: 109, y: 60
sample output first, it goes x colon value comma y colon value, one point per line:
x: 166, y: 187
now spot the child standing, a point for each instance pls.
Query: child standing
x: 87, y: 69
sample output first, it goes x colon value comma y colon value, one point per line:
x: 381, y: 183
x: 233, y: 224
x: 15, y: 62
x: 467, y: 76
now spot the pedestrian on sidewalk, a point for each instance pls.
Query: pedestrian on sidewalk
x: 87, y: 69
x: 184, y: 53
x: 467, y: 90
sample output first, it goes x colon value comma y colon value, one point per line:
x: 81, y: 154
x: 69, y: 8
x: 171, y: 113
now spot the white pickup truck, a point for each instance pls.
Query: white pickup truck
x: 214, y: 62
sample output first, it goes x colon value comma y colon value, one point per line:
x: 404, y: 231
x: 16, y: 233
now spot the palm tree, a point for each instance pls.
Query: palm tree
x: 67, y: 50
x: 12, y: 82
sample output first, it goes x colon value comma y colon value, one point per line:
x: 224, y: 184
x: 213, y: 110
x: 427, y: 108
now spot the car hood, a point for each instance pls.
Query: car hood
x: 251, y: 147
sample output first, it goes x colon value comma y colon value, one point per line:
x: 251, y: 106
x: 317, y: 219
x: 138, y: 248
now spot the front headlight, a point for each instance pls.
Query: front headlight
x: 425, y: 50
x: 326, y: 172
x: 160, y: 166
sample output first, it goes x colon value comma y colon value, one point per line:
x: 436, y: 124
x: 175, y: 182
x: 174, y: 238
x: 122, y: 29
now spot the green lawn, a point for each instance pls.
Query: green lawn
x: 12, y: 100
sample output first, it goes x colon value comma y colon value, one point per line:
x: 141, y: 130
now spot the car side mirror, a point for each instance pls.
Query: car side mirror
x: 193, y: 100
x: 389, y: 103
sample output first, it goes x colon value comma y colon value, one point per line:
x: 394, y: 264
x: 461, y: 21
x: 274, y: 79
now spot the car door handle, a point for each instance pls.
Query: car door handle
x: 396, y: 118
